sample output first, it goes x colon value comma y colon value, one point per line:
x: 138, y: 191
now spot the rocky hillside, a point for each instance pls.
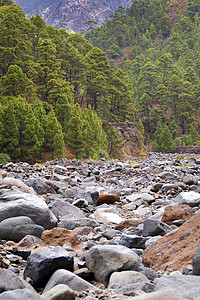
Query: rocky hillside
x: 70, y: 14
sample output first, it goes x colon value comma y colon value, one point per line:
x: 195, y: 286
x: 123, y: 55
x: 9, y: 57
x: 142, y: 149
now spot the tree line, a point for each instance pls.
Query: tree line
x: 56, y: 90
x: 161, y: 59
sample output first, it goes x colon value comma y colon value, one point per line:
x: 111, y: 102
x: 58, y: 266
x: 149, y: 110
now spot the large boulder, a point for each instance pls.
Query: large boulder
x: 21, y: 294
x: 42, y: 264
x: 75, y: 282
x: 17, y: 228
x: 15, y: 204
x: 188, y: 285
x: 39, y: 186
x: 10, y: 281
x: 64, y: 209
x: 167, y: 294
x: 126, y: 277
x: 190, y: 198
x: 104, y: 260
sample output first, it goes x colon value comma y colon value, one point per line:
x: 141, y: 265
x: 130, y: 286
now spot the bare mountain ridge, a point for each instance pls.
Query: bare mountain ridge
x: 72, y: 14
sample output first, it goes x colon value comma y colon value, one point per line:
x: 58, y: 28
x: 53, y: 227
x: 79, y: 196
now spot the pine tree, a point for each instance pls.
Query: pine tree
x: 75, y: 135
x: 163, y: 139
x: 54, y: 139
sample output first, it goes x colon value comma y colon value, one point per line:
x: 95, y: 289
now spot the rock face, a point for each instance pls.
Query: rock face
x: 175, y: 250
x: 71, y: 15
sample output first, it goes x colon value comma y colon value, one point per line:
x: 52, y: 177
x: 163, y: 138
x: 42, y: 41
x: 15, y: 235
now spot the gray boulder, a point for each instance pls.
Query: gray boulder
x: 60, y: 292
x: 190, y: 198
x: 71, y: 224
x: 21, y: 294
x: 188, y: 285
x: 62, y: 209
x: 168, y: 294
x: 155, y: 227
x: 42, y: 264
x: 39, y: 186
x: 132, y: 241
x: 126, y: 277
x: 104, y: 260
x: 73, y: 281
x: 17, y: 228
x: 10, y: 281
x: 15, y: 204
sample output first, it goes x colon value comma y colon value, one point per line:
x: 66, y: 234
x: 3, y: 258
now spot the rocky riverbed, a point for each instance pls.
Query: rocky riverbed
x: 101, y: 229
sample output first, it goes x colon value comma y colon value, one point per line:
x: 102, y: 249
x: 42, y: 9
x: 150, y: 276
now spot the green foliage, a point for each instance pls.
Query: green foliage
x: 4, y: 158
x: 115, y: 143
x: 163, y: 139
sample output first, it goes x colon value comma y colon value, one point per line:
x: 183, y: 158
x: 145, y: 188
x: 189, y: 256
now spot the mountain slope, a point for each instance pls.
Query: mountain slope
x: 70, y: 14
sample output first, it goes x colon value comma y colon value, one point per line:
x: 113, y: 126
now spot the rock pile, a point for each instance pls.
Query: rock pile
x: 101, y: 229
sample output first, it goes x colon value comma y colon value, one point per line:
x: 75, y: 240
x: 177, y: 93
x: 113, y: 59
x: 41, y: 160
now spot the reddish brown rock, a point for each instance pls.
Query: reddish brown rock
x: 128, y: 223
x: 176, y: 249
x: 83, y: 230
x: 177, y: 212
x: 30, y: 242
x: 61, y: 236
x: 108, y: 198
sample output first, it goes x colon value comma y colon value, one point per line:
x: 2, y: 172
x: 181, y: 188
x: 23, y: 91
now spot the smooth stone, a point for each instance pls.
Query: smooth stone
x: 167, y: 294
x: 152, y: 240
x: 15, y: 204
x: 106, y: 259
x: 190, y: 198
x: 42, y: 264
x: 73, y: 281
x: 188, y: 285
x: 10, y: 281
x: 143, y: 196
x: 64, y: 209
x: 126, y: 277
x: 107, y: 215
x: 82, y: 222
x: 17, y: 228
x: 60, y: 292
x: 21, y: 294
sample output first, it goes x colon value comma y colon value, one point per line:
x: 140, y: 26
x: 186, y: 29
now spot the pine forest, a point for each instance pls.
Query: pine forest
x: 61, y: 90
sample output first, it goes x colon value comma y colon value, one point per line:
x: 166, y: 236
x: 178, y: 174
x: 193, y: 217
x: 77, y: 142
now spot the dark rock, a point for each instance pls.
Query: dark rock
x: 155, y: 227
x: 39, y: 186
x: 132, y: 241
x: 42, y: 264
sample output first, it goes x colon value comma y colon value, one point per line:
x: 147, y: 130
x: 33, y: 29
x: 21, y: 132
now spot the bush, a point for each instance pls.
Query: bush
x: 4, y: 158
